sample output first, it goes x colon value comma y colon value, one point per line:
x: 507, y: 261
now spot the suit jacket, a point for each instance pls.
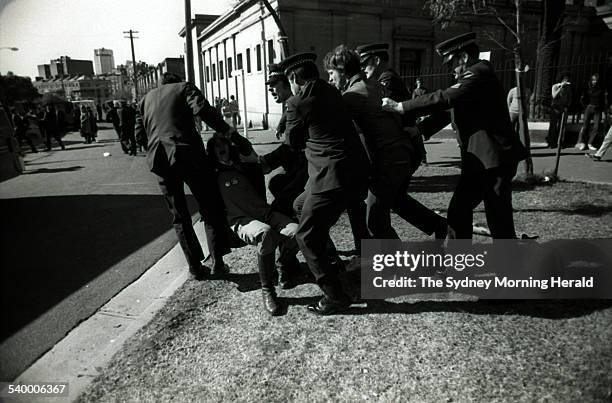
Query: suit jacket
x: 481, y: 117
x: 126, y: 116
x: 167, y: 119
x: 335, y: 154
x: 383, y: 133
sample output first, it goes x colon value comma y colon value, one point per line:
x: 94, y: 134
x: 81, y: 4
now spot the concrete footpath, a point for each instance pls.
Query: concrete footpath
x: 78, y: 358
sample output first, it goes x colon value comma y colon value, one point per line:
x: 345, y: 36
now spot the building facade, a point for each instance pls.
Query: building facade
x: 44, y: 71
x: 246, y: 38
x: 65, y: 66
x: 149, y: 78
x: 104, y: 61
x: 75, y: 88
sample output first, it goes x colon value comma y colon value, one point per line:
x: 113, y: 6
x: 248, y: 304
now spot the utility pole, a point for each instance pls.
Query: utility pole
x: 132, y: 37
x: 188, y: 44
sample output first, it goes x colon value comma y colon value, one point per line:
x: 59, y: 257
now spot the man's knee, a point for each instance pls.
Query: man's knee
x: 289, y: 230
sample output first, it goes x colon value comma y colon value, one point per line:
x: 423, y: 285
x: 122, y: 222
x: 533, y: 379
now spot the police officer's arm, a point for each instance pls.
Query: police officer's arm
x: 464, y: 92
x: 295, y: 129
x: 243, y: 145
x: 282, y: 125
x: 433, y: 123
x: 204, y: 110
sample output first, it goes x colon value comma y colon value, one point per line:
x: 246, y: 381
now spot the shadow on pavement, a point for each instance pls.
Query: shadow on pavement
x: 52, y: 170
x: 433, y: 184
x: 53, y: 246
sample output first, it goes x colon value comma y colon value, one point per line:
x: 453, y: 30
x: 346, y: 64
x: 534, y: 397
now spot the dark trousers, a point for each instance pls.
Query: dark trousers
x: 286, y: 188
x: 476, y: 184
x: 593, y: 113
x: 356, y: 210
x: 556, y: 115
x: 514, y: 120
x: 128, y: 140
x: 198, y: 176
x: 22, y: 136
x: 388, y: 191
x: 49, y: 134
x: 318, y: 214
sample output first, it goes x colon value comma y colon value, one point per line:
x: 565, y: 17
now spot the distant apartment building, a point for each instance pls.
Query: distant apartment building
x: 104, y: 61
x: 44, y: 71
x: 66, y: 66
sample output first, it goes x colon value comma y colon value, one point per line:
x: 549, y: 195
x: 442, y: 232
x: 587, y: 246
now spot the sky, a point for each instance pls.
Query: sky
x: 44, y: 29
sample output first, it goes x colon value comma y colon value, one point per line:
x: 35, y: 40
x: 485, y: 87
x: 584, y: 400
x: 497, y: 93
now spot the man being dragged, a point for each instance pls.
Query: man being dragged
x: 241, y: 184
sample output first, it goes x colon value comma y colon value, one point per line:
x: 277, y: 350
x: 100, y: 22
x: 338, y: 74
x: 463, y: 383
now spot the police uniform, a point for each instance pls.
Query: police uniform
x: 490, y: 148
x: 405, y: 205
x: 287, y: 186
x: 337, y: 170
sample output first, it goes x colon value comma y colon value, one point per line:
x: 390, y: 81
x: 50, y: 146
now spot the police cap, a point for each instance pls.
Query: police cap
x: 451, y: 46
x: 372, y: 49
x: 297, y: 60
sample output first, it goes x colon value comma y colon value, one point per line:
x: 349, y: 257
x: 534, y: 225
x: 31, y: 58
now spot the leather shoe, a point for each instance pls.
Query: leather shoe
x: 197, y: 272
x: 219, y: 270
x: 326, y: 306
x: 270, y: 301
x: 287, y: 280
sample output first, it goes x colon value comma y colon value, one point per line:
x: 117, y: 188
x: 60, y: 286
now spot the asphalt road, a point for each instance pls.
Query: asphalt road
x: 77, y: 227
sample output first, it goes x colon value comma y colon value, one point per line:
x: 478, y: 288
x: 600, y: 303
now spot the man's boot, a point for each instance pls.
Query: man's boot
x: 267, y: 273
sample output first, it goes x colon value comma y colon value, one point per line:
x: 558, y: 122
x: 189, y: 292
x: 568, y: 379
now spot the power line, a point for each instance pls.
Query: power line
x: 132, y: 37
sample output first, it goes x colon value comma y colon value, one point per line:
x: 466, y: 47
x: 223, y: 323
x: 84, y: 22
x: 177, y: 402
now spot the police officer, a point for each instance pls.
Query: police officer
x: 337, y: 169
x: 285, y: 187
x: 374, y: 59
x: 490, y: 148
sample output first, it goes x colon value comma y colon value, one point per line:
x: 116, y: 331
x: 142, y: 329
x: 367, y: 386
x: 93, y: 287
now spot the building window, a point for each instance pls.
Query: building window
x: 207, y: 74
x: 271, y: 52
x: 248, y: 57
x: 214, y: 72
x: 258, y: 50
x: 221, y: 70
x: 239, y: 61
x: 230, y: 67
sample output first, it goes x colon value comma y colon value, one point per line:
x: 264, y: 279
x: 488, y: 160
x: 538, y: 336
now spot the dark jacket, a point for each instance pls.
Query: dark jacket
x: 167, y: 119
x: 383, y: 133
x: 336, y: 157
x: 481, y: 117
x: 113, y: 117
x: 126, y: 117
x: 594, y: 95
x: 243, y: 190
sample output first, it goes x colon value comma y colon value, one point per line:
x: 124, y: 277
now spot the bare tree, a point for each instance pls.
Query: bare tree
x: 446, y: 11
x: 551, y: 23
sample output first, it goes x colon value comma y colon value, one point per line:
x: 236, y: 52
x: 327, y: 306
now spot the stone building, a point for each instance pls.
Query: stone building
x: 74, y: 88
x: 247, y: 38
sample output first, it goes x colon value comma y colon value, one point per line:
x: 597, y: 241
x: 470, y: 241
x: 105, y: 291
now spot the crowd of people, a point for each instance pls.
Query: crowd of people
x: 351, y: 143
x: 47, y: 120
x: 596, y: 102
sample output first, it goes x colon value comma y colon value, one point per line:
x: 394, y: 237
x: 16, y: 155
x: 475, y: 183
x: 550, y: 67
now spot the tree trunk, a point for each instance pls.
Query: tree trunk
x: 520, y: 90
x: 548, y: 54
